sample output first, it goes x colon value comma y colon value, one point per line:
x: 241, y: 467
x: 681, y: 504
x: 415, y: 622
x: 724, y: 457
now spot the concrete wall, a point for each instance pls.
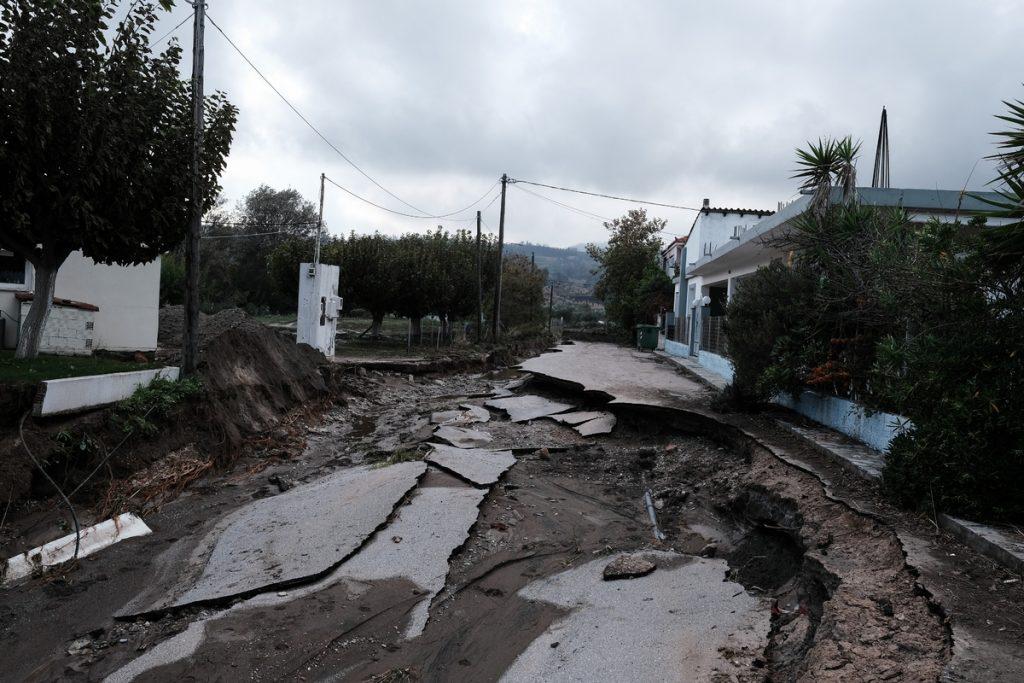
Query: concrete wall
x: 876, y: 430
x: 128, y: 298
x: 83, y: 393
x: 720, y: 365
x: 674, y: 348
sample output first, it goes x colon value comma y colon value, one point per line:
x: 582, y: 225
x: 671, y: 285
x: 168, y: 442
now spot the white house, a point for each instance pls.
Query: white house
x: 712, y: 228
x: 115, y: 308
x: 725, y: 251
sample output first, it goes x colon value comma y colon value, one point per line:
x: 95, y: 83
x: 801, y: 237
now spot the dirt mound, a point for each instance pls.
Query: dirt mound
x: 253, y: 375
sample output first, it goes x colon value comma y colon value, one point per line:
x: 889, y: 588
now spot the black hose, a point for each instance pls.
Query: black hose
x: 74, y: 515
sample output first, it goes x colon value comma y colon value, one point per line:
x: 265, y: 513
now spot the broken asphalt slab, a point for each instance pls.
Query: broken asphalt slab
x: 528, y: 407
x: 626, y: 376
x: 462, y: 438
x: 601, y: 425
x: 480, y: 466
x: 679, y: 623
x: 467, y: 414
x: 289, y: 537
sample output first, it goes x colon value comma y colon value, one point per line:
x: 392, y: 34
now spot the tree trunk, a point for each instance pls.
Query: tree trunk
x: 378, y: 320
x: 417, y: 330
x: 42, y: 300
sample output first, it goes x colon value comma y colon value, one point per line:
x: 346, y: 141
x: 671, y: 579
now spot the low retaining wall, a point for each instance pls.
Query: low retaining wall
x: 72, y: 394
x: 875, y: 429
x: 674, y: 348
x: 715, y: 363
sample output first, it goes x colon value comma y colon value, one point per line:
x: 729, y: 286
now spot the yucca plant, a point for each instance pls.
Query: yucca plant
x: 827, y: 163
x: 1005, y: 243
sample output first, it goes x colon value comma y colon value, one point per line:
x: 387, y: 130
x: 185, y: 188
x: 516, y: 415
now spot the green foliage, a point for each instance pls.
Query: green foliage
x: 766, y: 325
x: 630, y: 283
x: 1004, y: 245
x: 96, y: 135
x: 144, y: 411
x: 522, y: 295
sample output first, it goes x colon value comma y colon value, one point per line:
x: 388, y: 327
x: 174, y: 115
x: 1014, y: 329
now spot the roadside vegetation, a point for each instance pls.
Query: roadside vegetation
x: 413, y: 276
x: 43, y: 368
x: 630, y: 283
x: 924, y: 321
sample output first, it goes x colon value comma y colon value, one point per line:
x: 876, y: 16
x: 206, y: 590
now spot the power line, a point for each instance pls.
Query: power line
x: 574, y: 209
x: 331, y: 144
x: 402, y: 213
x: 605, y: 196
x: 168, y: 34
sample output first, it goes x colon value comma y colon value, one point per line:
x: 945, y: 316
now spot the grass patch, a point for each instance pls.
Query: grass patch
x: 57, y: 367
x: 401, y: 455
x: 277, y: 318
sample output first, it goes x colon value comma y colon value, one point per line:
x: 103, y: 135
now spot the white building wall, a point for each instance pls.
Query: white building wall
x: 128, y: 298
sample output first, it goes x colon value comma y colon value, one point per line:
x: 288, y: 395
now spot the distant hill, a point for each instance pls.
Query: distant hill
x: 569, y: 265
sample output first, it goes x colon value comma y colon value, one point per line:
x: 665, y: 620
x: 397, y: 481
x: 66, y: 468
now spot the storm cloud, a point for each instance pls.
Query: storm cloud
x: 668, y: 101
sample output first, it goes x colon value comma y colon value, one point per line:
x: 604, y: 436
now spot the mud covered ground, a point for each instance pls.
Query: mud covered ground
x: 830, y: 585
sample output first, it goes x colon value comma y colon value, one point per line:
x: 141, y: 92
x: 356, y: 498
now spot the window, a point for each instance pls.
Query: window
x: 12, y: 268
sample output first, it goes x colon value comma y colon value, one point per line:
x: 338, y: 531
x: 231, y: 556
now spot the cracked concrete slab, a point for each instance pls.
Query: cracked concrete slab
x: 477, y: 413
x: 435, y: 522
x: 628, y: 376
x: 481, y: 466
x: 680, y: 623
x: 528, y: 407
x: 463, y: 438
x: 601, y: 425
x: 577, y: 417
x: 288, y: 537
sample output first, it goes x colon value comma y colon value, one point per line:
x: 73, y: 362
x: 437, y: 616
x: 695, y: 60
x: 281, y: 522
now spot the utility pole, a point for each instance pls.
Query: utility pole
x: 319, y: 223
x: 551, y: 301
x: 497, y: 276
x: 190, y: 344
x: 479, y: 284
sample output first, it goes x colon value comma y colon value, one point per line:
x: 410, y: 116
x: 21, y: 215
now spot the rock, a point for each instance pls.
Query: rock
x: 709, y: 550
x: 80, y: 646
x: 628, y: 567
x: 671, y: 496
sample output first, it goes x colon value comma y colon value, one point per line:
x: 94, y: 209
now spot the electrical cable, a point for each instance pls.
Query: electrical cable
x: 605, y: 196
x: 74, y: 515
x: 107, y: 457
x: 168, y: 34
x: 401, y: 213
x: 574, y: 209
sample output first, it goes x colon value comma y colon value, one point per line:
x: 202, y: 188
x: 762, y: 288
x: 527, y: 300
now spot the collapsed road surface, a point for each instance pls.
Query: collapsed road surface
x: 590, y: 520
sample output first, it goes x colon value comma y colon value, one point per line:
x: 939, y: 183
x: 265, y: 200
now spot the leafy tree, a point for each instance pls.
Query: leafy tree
x: 827, y: 163
x: 628, y: 281
x: 96, y: 136
x: 522, y: 295
x: 1004, y: 245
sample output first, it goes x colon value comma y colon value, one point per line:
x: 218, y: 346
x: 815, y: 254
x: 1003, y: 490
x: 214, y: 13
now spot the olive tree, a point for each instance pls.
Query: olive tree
x: 95, y: 140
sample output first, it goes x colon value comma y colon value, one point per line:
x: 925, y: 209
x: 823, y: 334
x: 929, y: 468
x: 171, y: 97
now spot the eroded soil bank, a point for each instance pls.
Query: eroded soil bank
x: 827, y: 592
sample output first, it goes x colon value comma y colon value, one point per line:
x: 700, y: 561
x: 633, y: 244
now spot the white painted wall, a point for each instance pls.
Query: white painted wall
x: 128, y: 298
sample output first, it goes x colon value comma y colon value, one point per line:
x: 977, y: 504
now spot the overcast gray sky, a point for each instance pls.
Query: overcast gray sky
x: 666, y: 101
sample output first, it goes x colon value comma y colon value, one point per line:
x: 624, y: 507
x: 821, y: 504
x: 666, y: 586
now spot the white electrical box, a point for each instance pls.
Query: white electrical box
x: 319, y: 306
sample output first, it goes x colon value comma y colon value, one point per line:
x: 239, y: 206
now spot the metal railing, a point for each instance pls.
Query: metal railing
x: 712, y: 335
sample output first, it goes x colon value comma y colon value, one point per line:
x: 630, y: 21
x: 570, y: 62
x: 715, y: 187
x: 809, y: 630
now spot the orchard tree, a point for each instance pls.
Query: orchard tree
x: 95, y: 140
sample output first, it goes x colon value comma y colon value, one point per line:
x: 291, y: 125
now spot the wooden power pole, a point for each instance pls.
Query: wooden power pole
x: 190, y: 344
x: 496, y: 317
x: 551, y: 301
x: 479, y: 284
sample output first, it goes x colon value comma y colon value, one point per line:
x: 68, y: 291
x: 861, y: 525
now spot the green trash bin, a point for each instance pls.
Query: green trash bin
x: 646, y: 337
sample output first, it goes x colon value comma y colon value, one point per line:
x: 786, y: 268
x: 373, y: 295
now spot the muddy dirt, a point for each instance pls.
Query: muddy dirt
x: 832, y: 583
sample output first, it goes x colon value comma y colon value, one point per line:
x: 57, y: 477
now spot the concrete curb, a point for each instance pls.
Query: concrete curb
x: 987, y: 540
x: 75, y: 394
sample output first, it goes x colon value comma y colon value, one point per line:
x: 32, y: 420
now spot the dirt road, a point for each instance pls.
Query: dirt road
x: 376, y: 556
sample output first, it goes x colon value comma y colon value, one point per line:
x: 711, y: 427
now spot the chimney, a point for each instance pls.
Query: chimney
x: 707, y: 203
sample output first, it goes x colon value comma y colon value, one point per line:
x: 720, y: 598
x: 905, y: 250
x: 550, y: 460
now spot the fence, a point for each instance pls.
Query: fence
x: 712, y: 335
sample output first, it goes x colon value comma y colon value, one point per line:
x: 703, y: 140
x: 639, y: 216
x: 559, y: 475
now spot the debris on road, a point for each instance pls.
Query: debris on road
x: 482, y: 467
x: 628, y: 567
x: 462, y: 438
x: 528, y: 407
x: 90, y: 540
